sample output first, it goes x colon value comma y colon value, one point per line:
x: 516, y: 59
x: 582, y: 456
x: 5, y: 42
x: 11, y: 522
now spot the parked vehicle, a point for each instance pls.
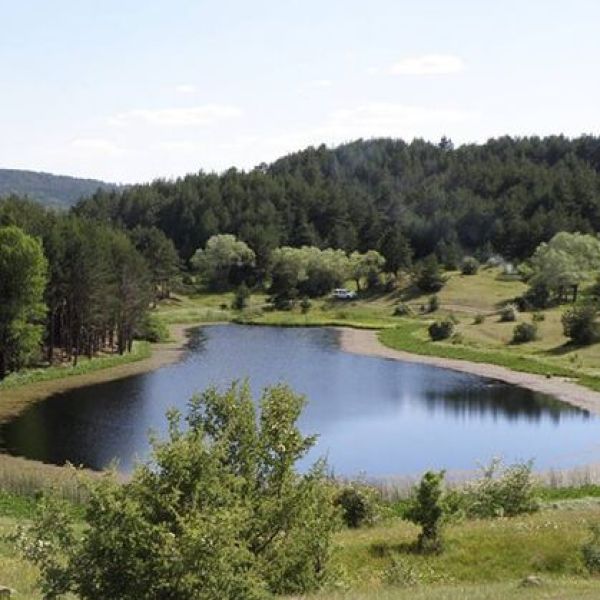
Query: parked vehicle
x: 343, y: 294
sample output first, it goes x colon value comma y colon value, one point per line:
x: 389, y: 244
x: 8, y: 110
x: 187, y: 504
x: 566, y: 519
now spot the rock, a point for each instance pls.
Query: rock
x: 531, y: 581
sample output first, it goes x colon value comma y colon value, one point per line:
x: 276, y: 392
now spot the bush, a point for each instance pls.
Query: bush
x: 538, y: 317
x: 358, y: 504
x: 240, y: 300
x: 524, y: 332
x: 305, y: 305
x: 400, y: 573
x: 441, y: 330
x: 579, y: 324
x: 479, y: 319
x: 591, y: 550
x: 508, y: 313
x: 403, y: 310
x: 426, y: 509
x: 469, y: 265
x: 219, y: 511
x: 502, y: 491
x: 434, y: 303
x: 152, y: 329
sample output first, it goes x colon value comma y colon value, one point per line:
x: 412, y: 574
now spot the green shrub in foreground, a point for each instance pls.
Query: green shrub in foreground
x: 358, y: 504
x: 219, y: 512
x: 502, y: 491
x: 591, y: 550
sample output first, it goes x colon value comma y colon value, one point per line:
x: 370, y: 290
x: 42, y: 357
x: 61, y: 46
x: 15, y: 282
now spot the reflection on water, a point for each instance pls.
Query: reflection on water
x: 374, y: 415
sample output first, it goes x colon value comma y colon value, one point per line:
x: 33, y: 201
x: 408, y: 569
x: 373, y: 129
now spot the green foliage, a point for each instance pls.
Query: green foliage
x: 367, y: 268
x: 479, y: 319
x: 502, y: 491
x: 396, y: 250
x: 305, y: 305
x: 23, y: 273
x: 524, y: 332
x: 441, y: 330
x: 225, y: 261
x: 400, y: 573
x: 242, y: 295
x: 579, y: 324
x: 152, y: 329
x: 591, y: 550
x: 434, y: 303
x: 403, y: 310
x: 218, y: 512
x: 567, y: 259
x: 429, y: 277
x: 469, y: 265
x: 538, y: 317
x: 426, y: 509
x: 358, y: 503
x: 508, y: 313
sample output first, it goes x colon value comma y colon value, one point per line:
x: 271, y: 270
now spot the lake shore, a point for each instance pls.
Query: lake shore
x: 366, y: 343
x: 14, y: 400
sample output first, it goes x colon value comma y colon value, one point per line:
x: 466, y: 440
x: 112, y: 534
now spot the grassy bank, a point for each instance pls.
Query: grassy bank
x: 483, y: 559
x: 141, y: 350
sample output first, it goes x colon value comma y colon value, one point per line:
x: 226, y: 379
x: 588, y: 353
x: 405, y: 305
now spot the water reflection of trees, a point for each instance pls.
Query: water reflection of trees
x: 504, y: 401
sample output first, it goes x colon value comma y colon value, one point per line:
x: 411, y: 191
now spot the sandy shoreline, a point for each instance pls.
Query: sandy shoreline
x: 13, y: 401
x: 366, y: 342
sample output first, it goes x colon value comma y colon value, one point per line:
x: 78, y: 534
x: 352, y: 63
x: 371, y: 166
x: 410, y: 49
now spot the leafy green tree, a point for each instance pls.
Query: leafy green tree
x: 224, y: 262
x: 429, y: 277
x: 580, y: 325
x: 568, y: 259
x: 23, y: 272
x: 396, y: 250
x: 366, y: 267
x: 427, y: 510
x: 240, y: 300
x: 219, y: 511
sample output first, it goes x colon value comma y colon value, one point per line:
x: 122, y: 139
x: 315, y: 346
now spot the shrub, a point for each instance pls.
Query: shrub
x: 152, y: 329
x: 305, y: 305
x: 479, y: 319
x: 441, y: 330
x: 538, y: 317
x: 524, y: 332
x: 469, y: 265
x: 426, y: 509
x: 502, y: 491
x: 591, y: 550
x: 434, y: 303
x: 219, y: 511
x: 579, y: 324
x: 240, y: 300
x: 403, y: 310
x: 358, y: 504
x: 400, y: 573
x: 508, y: 313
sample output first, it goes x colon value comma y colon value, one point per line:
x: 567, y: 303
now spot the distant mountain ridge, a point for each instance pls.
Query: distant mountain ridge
x: 52, y: 190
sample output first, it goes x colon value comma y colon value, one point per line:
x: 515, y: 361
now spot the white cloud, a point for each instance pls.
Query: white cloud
x: 207, y: 114
x: 319, y: 83
x: 428, y: 64
x: 186, y: 88
x: 97, y: 145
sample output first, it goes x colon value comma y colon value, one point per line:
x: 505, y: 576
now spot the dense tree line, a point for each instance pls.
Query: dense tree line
x: 88, y: 290
x: 506, y: 196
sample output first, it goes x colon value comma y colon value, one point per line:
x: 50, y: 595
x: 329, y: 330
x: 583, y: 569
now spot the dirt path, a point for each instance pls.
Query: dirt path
x: 14, y: 401
x: 362, y: 341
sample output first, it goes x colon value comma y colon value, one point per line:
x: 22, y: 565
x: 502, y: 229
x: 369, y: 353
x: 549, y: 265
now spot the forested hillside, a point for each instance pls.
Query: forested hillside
x: 54, y: 190
x: 505, y: 196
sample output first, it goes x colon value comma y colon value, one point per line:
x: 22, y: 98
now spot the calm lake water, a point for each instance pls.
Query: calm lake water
x: 373, y: 415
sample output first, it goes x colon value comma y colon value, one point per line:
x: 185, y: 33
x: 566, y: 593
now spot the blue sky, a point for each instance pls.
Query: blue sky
x: 131, y: 90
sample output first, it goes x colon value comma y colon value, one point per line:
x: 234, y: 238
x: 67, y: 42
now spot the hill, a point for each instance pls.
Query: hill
x: 53, y: 190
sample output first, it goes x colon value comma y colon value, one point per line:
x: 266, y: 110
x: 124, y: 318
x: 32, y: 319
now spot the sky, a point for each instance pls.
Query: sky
x: 131, y: 90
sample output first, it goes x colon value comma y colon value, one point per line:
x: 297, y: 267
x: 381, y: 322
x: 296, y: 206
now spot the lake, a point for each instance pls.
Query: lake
x: 377, y: 416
